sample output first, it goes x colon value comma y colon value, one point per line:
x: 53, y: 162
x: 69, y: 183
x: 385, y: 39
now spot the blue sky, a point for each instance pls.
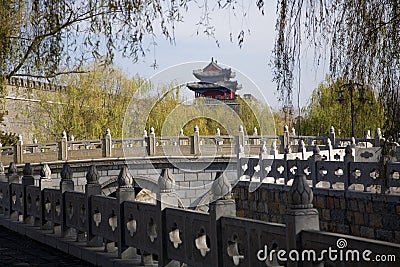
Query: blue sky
x: 252, y: 60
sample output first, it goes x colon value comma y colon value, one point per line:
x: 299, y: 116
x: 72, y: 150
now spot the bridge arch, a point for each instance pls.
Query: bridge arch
x: 109, y: 187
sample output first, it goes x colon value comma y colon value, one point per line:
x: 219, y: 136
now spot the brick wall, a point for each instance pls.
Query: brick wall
x: 355, y: 213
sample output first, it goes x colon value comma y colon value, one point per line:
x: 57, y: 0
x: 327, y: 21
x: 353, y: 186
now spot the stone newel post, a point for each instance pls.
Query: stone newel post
x: 63, y: 147
x: 285, y: 138
x: 45, y: 180
x: 195, y: 141
x: 66, y: 183
x: 12, y: 174
x: 18, y: 153
x: 167, y: 195
x: 240, y: 140
x: 125, y: 192
x: 2, y: 175
x: 92, y: 188
x: 332, y: 136
x: 300, y: 214
x: 151, y: 142
x: 222, y: 205
x: 166, y: 198
x: 107, y: 149
x: 27, y: 179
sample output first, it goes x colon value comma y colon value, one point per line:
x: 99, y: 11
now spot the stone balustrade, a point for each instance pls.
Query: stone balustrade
x: 347, y: 175
x: 120, y: 231
x: 149, y: 145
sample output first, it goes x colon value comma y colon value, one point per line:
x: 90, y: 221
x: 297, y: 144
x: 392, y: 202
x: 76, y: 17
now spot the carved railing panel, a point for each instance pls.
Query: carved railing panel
x: 242, y: 239
x: 104, y: 216
x: 5, y: 197
x: 366, y: 174
x: 333, y: 173
x: 34, y: 201
x: 142, y: 226
x: 189, y: 237
x: 17, y: 198
x: 52, y: 205
x: 76, y: 210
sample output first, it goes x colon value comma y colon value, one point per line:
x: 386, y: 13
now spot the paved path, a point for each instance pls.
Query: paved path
x: 18, y: 250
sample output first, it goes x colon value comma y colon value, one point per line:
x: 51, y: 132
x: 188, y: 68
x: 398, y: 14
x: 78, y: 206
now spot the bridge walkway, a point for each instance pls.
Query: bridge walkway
x: 18, y: 250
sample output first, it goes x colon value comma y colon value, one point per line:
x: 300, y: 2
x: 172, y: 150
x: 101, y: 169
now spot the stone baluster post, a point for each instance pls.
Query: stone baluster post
x: 293, y: 133
x: 313, y: 164
x: 367, y: 134
x: 332, y: 136
x: 45, y: 180
x: 255, y: 133
x: 35, y: 149
x: 329, y: 148
x: 353, y: 142
x: 286, y: 156
x: 27, y: 179
x: 285, y: 138
x: 378, y: 137
x: 166, y: 198
x: 107, y: 144
x: 262, y: 156
x: 92, y: 188
x: 125, y: 192
x: 348, y: 157
x: 349, y: 154
x: 19, y: 150
x: 66, y: 183
x: 144, y: 143
x: 195, y: 141
x: 151, y: 142
x: 222, y: 205
x: 241, y: 160
x: 240, y: 139
x: 218, y: 140
x: 2, y: 174
x: 300, y: 215
x: 182, y: 142
x: 63, y: 147
x: 12, y: 174
x: 274, y: 150
x: 302, y: 149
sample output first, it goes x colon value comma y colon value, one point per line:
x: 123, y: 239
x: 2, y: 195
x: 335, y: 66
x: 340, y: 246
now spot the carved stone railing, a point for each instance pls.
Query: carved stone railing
x: 287, y: 146
x: 346, y: 175
x: 105, y: 230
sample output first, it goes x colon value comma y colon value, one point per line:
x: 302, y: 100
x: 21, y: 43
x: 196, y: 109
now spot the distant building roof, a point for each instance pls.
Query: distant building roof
x: 213, y: 73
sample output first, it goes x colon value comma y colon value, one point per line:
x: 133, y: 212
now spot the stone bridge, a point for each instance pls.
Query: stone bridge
x: 88, y: 202
x: 121, y: 231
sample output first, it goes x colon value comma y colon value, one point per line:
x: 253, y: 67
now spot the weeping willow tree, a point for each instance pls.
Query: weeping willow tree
x: 328, y: 108
x: 43, y: 39
x: 359, y: 39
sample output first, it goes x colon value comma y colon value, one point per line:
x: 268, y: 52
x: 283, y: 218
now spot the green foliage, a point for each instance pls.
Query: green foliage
x: 8, y: 139
x: 325, y: 111
x: 45, y: 38
x: 172, y: 113
x: 360, y: 39
x: 88, y: 105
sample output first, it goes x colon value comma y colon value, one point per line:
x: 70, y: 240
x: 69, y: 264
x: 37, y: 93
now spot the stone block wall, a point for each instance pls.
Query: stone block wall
x: 355, y: 213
